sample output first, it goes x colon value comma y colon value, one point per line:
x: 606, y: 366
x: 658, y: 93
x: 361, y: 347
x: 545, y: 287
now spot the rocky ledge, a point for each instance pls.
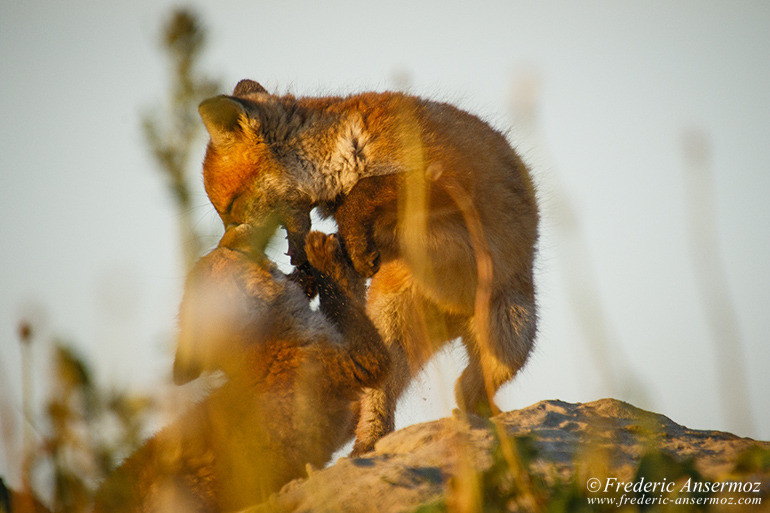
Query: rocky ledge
x: 551, y: 456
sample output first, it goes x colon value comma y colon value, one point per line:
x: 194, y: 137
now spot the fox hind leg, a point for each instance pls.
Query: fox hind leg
x: 376, y: 414
x: 413, y: 330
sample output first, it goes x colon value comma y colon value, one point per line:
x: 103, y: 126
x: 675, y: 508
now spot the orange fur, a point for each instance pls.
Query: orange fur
x: 431, y: 202
x: 294, y: 377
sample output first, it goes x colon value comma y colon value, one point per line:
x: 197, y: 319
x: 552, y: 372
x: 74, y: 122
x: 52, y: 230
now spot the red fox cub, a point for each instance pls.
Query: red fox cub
x: 431, y: 202
x: 294, y: 378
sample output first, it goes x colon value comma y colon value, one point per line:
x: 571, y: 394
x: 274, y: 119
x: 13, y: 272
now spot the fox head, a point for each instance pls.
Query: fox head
x: 254, y: 165
x: 275, y: 157
x: 219, y: 317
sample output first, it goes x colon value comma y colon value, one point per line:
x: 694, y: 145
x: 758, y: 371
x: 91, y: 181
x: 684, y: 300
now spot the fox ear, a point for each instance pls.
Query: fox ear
x: 247, y: 86
x: 220, y: 115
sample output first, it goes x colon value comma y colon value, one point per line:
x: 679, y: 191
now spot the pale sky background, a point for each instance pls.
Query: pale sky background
x: 89, y: 234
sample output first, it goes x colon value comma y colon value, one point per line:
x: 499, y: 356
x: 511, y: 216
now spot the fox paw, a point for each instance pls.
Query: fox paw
x: 324, y: 252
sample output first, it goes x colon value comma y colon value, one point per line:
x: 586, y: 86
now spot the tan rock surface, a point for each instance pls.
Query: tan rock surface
x: 432, y: 463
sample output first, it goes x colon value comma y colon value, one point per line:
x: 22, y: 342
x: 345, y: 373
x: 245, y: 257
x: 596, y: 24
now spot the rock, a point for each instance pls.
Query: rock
x: 523, y: 460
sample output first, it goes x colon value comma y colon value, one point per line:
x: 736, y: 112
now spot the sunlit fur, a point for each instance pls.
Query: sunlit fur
x: 405, y: 179
x: 293, y: 380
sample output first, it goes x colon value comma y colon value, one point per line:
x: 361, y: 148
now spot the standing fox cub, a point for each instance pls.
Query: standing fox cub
x: 431, y: 203
x: 294, y: 377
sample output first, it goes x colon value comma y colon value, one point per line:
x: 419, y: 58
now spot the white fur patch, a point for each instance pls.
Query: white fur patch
x: 345, y: 164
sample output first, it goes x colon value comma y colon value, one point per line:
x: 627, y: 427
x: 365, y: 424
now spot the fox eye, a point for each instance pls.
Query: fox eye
x: 229, y: 208
x: 225, y: 213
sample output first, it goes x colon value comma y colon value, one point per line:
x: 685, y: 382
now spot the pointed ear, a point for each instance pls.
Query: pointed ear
x: 220, y: 115
x: 247, y: 86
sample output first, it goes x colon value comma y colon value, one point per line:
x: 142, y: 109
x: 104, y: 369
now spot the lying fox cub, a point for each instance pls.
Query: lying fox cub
x: 294, y: 377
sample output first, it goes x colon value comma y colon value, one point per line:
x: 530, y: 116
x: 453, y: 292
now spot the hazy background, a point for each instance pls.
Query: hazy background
x: 600, y: 97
